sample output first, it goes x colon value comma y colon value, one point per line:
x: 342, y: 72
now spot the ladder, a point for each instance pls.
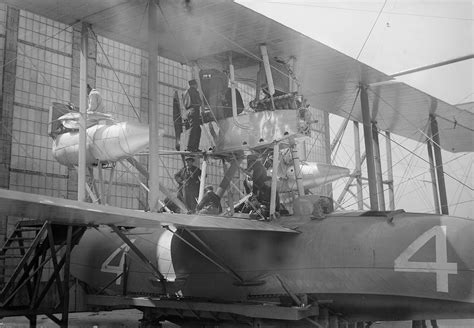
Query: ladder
x: 16, y: 246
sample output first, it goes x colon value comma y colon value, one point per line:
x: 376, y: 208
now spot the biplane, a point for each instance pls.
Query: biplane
x: 339, y: 269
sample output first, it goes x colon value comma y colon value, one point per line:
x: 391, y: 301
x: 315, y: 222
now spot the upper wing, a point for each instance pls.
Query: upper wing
x: 404, y: 110
x: 208, y: 30
x: 65, y: 211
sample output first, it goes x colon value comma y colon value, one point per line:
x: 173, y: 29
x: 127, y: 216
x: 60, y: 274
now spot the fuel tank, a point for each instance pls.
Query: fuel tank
x: 105, y: 142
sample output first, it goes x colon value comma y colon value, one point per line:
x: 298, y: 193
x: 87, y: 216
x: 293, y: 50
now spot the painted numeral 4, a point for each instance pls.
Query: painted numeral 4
x: 441, y: 267
x: 117, y: 269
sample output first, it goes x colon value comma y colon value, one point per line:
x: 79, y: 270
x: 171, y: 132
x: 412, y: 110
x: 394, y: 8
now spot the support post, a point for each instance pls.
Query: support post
x: 439, y: 165
x: 154, y: 159
x: 208, y: 129
x: 203, y: 179
x: 232, y: 88
x: 434, y: 184
x: 259, y: 83
x: 346, y: 189
x: 268, y: 70
x: 292, y: 82
x: 378, y: 166
x: 7, y: 86
x: 276, y: 162
x: 339, y: 134
x: 358, y: 164
x: 81, y: 171
x: 52, y: 247
x: 230, y: 194
x: 101, y: 185
x: 109, y: 186
x: 297, y: 167
x: 234, y: 167
x: 369, y: 148
x: 388, y: 150
x: 67, y: 265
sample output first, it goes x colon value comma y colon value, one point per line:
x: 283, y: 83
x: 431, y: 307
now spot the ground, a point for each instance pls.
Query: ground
x: 129, y: 319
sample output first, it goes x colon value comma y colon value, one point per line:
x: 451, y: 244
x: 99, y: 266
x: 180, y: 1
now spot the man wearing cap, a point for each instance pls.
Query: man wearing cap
x: 210, y: 203
x: 96, y: 104
x: 192, y: 103
x: 188, y: 179
x: 262, y: 184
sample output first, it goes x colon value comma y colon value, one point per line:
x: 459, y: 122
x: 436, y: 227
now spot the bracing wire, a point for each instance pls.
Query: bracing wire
x: 372, y: 28
x: 116, y: 75
x: 310, y: 4
x: 424, y: 160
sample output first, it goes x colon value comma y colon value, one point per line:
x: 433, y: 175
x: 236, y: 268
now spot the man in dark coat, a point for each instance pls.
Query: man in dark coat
x: 192, y: 103
x: 188, y: 178
x: 210, y: 203
x: 262, y: 183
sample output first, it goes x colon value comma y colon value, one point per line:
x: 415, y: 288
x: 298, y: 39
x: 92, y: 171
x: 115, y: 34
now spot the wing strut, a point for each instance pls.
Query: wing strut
x: 215, y: 259
x: 162, y: 188
x: 434, y: 134
x: 141, y: 256
x: 369, y: 148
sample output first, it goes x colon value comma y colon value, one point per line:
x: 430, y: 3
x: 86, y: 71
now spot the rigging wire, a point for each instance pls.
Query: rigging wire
x: 411, y: 123
x: 334, y: 153
x: 252, y: 55
x: 309, y: 4
x: 347, y: 73
x: 467, y: 173
x: 358, y: 89
x: 449, y: 175
x: 115, y: 73
x: 371, y: 29
x: 52, y: 88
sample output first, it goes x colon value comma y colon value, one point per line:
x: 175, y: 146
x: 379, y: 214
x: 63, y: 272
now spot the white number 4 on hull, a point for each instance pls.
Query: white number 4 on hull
x: 117, y: 269
x: 441, y: 267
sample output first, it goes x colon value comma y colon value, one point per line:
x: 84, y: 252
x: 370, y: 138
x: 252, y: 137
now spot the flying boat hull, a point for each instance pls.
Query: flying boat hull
x: 366, y: 267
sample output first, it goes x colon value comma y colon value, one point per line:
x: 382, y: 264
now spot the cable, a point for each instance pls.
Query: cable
x: 115, y: 73
x: 472, y: 189
x: 308, y: 4
x: 371, y: 29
